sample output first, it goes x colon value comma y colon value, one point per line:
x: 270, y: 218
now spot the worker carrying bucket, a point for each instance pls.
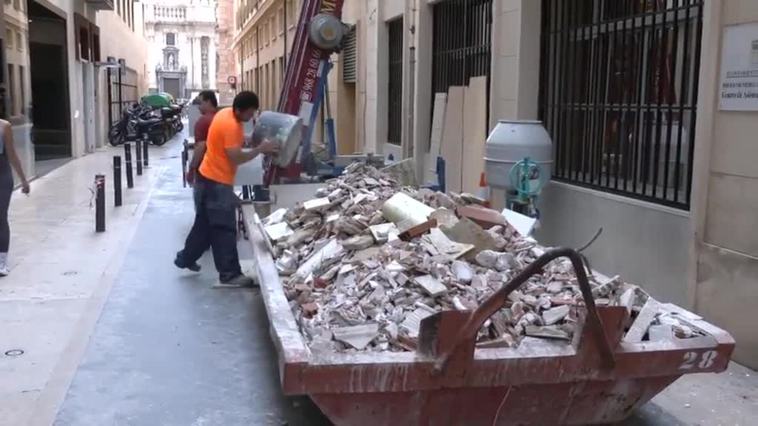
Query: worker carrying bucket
x: 215, y: 200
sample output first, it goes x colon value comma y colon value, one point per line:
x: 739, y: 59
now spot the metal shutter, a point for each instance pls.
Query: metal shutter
x: 349, y: 58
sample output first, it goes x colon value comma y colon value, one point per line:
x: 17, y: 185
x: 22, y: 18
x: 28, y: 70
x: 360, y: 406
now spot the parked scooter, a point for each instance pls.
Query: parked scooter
x: 143, y: 122
x: 125, y: 128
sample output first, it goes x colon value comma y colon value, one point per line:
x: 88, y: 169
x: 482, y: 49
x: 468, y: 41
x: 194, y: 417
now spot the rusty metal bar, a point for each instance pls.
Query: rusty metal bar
x: 495, y: 302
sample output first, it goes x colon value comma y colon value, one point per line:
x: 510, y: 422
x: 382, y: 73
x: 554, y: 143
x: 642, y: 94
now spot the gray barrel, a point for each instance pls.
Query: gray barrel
x: 511, y: 142
x: 283, y: 128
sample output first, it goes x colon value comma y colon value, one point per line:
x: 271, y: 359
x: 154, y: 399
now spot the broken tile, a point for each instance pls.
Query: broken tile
x: 317, y: 204
x: 412, y: 322
x: 358, y: 336
x: 392, y: 330
x: 495, y: 260
x: 309, y: 309
x: 403, y: 208
x: 473, y: 199
x: 554, y: 287
x: 445, y: 245
x: 627, y: 298
x: 329, y: 251
x: 659, y: 333
x: 286, y: 264
x: 431, y: 285
x: 415, y: 231
x: 275, y: 217
x: 552, y: 316
x: 468, y: 232
x: 382, y: 232
x: 358, y: 242
x: 278, y: 231
x: 482, y: 216
x: 444, y: 217
x: 547, y: 332
x: 463, y: 272
x: 365, y: 254
x: 642, y: 322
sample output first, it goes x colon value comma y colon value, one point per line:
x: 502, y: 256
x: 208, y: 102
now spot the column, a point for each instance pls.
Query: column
x: 515, y: 53
x: 212, y: 68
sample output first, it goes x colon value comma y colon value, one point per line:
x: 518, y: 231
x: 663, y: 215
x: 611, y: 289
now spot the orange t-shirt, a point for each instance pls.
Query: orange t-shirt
x: 225, y: 132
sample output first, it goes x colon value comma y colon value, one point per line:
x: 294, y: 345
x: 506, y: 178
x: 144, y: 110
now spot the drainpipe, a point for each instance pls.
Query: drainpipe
x: 284, y: 56
x: 416, y: 149
x: 192, y: 60
x: 409, y: 22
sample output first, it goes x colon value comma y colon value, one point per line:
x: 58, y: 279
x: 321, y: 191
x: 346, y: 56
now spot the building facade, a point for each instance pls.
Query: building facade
x: 182, y: 45
x: 54, y: 87
x: 227, y: 75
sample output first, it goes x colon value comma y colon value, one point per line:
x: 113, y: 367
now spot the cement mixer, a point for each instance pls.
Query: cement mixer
x: 519, y: 160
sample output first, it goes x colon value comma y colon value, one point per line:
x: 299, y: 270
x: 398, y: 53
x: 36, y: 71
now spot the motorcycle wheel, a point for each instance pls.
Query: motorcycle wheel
x: 115, y: 135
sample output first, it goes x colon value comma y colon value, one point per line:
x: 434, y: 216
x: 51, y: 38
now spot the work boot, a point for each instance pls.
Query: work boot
x: 194, y: 267
x: 238, y: 281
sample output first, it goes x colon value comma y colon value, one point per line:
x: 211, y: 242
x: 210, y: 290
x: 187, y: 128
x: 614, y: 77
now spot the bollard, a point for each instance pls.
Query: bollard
x: 145, y: 143
x: 117, y: 180
x: 99, y: 203
x: 128, y: 161
x: 139, y: 156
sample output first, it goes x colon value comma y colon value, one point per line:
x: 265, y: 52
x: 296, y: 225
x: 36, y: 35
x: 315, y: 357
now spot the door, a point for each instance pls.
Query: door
x: 88, y: 97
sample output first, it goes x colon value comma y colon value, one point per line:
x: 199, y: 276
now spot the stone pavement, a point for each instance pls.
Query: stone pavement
x: 113, y: 334
x: 61, y: 272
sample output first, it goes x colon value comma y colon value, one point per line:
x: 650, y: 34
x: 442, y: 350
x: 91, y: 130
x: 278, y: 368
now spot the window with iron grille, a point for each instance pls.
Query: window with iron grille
x: 395, y: 104
x: 462, y: 43
x: 618, y: 94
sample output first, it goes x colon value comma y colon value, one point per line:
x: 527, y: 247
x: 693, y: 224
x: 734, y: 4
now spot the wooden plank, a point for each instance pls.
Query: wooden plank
x: 474, y: 133
x: 438, y: 120
x: 451, y: 148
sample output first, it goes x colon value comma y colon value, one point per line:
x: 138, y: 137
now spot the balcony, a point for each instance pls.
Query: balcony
x: 101, y: 4
x: 169, y: 13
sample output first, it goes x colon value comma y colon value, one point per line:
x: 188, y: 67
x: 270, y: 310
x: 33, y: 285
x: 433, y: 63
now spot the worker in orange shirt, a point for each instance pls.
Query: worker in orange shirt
x: 215, y: 201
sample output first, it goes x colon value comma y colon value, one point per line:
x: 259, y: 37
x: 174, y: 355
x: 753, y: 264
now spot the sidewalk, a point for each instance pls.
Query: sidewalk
x: 61, y: 272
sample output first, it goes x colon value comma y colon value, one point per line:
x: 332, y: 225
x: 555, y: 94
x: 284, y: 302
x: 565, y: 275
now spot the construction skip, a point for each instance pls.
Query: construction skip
x: 391, y: 304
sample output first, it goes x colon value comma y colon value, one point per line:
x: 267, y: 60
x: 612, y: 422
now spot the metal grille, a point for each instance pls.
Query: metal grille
x: 462, y: 43
x: 395, y: 106
x: 122, y: 93
x: 618, y: 94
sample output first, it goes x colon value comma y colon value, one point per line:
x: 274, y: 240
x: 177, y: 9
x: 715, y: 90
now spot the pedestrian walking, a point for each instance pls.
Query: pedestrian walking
x: 9, y: 162
x: 215, y: 201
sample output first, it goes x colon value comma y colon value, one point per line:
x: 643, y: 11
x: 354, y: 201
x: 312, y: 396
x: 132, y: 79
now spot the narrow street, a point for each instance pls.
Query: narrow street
x: 112, y: 333
x: 139, y: 341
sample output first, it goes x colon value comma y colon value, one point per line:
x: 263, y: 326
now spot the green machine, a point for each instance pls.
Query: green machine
x: 158, y: 100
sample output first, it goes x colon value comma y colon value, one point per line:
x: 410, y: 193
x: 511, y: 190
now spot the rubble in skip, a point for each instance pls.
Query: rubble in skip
x: 367, y: 259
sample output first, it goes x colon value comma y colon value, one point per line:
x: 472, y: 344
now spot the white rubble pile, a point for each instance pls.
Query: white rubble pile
x: 355, y: 285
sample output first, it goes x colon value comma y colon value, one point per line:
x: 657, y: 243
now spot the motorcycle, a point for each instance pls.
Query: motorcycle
x: 141, y: 122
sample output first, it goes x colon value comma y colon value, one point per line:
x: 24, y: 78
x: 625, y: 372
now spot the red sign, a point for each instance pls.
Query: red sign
x: 231, y: 80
